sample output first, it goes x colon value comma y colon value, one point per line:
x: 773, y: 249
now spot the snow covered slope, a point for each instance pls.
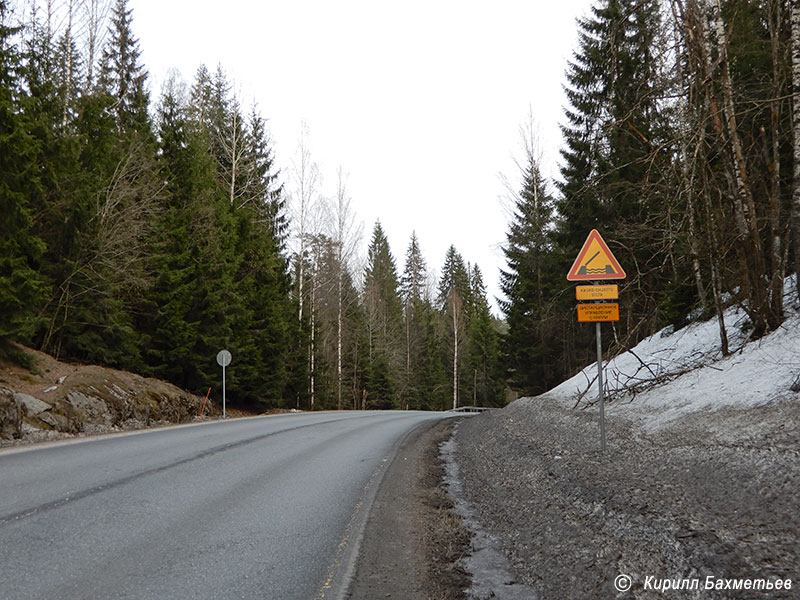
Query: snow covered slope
x: 671, y: 374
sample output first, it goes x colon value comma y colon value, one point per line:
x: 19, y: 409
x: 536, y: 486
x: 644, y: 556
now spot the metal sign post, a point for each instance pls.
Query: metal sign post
x: 599, y: 266
x: 223, y: 360
x: 600, y: 393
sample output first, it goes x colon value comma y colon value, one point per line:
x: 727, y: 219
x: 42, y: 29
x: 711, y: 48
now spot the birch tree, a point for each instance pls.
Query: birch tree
x: 796, y: 138
x: 347, y: 235
x: 455, y: 300
x: 94, y: 15
x: 304, y: 179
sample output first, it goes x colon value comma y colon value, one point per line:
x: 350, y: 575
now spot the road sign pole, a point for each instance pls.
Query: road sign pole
x: 595, y: 262
x: 223, y: 360
x: 600, y: 389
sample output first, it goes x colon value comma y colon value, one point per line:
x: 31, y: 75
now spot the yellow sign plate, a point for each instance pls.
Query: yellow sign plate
x: 597, y: 292
x: 589, y: 313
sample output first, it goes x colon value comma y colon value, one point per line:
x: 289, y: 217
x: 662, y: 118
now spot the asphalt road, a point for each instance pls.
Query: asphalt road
x: 270, y: 507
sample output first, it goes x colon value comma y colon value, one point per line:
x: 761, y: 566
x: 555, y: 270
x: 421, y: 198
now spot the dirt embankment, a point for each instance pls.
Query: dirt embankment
x: 713, y: 495
x: 55, y: 400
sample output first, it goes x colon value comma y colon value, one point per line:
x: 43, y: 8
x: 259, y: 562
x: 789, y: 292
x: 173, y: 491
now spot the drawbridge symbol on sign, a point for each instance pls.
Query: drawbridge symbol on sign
x: 586, y: 270
x: 595, y: 261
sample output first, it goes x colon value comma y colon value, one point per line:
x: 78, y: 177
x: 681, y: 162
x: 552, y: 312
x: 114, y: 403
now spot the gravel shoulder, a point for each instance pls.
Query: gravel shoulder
x: 715, y: 494
x: 413, y: 542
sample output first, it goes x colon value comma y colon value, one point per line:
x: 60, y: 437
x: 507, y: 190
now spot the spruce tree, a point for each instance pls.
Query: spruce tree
x: 413, y: 281
x: 122, y: 76
x: 531, y: 283
x: 207, y: 271
x: 455, y: 277
x: 617, y: 158
x: 21, y: 287
x: 614, y: 122
x: 385, y: 321
x: 483, y: 376
x: 265, y: 177
x: 416, y: 306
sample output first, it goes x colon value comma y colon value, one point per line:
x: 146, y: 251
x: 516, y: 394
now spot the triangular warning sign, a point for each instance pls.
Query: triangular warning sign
x: 595, y: 261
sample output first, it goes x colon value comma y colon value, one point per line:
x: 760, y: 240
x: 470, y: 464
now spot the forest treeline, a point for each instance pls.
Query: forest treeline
x: 149, y: 234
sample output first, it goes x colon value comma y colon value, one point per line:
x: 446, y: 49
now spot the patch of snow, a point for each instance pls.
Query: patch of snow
x: 672, y: 374
x: 487, y: 563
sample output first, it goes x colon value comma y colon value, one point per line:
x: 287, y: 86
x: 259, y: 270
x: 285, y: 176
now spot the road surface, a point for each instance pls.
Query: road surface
x: 269, y: 507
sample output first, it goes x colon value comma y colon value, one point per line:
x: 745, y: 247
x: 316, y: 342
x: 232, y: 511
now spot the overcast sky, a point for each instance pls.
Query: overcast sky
x: 420, y: 102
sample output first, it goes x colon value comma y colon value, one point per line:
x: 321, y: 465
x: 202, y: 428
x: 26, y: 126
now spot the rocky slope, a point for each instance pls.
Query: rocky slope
x: 55, y: 399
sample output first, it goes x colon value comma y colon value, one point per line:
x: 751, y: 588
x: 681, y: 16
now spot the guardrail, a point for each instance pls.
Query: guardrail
x: 469, y: 409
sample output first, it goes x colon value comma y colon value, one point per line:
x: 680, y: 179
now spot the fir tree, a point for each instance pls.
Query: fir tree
x: 617, y: 159
x: 21, y: 288
x: 385, y: 317
x: 530, y: 283
x: 265, y: 175
x: 195, y: 306
x: 483, y: 376
x: 122, y: 76
x: 455, y: 277
x: 413, y: 282
x: 416, y: 306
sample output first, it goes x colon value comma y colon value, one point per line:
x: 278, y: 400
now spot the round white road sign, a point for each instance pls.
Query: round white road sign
x: 223, y: 358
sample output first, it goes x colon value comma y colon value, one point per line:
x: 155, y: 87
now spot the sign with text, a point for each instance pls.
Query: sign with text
x: 589, y: 313
x: 597, y: 292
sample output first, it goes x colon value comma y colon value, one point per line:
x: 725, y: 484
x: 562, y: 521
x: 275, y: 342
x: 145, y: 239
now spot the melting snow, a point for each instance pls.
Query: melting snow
x: 671, y: 374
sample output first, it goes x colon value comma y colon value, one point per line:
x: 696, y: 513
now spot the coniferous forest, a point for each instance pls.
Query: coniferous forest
x: 147, y: 233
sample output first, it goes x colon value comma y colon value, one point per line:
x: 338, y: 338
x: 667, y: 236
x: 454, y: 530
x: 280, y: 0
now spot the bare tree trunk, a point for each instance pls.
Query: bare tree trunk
x: 67, y: 68
x: 408, y: 346
x: 456, y: 308
x: 312, y: 345
x: 744, y: 203
x: 774, y: 162
x: 339, y: 323
x: 235, y: 152
x: 693, y: 243
x: 716, y: 282
x: 49, y: 19
x: 688, y: 161
x: 96, y: 11
x: 796, y: 134
x: 305, y: 174
x: 347, y: 236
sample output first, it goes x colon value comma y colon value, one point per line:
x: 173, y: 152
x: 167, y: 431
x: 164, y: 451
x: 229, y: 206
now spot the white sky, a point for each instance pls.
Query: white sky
x: 420, y: 102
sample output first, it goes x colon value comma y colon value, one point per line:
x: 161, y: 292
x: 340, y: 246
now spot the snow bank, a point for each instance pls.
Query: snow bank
x: 671, y: 374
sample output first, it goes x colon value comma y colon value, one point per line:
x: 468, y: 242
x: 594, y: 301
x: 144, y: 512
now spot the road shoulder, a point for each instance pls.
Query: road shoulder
x: 413, y: 541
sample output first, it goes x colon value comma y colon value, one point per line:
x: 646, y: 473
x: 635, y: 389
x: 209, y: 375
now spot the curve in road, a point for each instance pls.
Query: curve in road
x: 268, y: 507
